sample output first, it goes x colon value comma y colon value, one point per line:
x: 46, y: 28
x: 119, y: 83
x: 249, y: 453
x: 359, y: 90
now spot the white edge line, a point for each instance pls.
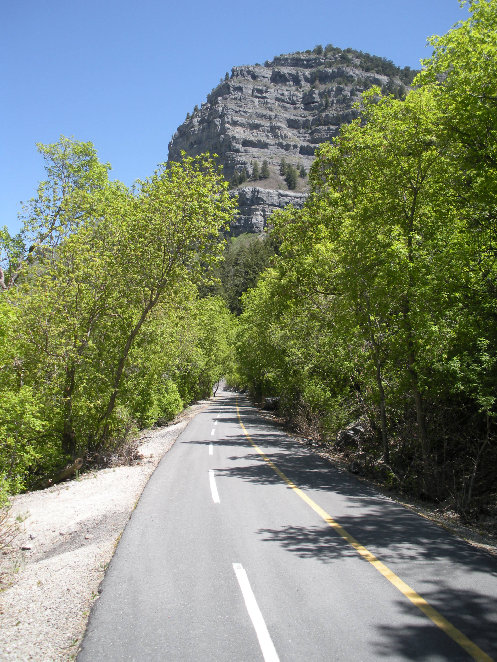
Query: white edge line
x: 213, y: 431
x: 214, y: 492
x: 265, y: 642
x: 211, y: 449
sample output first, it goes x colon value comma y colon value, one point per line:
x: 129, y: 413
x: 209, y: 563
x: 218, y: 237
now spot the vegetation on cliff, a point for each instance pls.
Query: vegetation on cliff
x: 379, y: 310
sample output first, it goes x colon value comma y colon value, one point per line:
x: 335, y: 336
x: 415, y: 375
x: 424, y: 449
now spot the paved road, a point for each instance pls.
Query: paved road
x: 244, y: 546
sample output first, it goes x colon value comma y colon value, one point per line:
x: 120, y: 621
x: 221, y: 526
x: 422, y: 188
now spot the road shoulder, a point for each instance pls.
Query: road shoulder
x: 68, y: 535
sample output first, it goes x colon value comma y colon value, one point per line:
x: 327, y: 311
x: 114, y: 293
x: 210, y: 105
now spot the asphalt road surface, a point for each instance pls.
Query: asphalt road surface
x: 246, y: 546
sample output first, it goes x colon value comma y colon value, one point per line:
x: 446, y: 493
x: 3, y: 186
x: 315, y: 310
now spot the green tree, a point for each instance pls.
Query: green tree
x: 390, y: 266
x: 95, y: 300
x: 265, y: 170
x: 63, y: 201
x: 291, y: 177
x: 246, y: 256
x: 243, y: 175
x: 175, y: 236
x: 255, y: 170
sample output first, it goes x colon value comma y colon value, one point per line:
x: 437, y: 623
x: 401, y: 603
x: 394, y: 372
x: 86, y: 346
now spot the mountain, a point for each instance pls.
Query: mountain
x: 271, y: 117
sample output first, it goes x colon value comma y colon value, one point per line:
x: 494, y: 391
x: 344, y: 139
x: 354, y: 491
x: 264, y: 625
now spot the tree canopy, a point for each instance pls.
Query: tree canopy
x: 102, y: 326
x: 380, y: 306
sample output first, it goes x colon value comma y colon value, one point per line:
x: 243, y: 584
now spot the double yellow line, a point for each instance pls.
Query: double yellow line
x: 435, y: 616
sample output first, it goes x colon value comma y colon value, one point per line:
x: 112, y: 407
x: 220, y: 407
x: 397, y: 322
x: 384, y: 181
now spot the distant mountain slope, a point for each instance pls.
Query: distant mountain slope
x: 281, y: 111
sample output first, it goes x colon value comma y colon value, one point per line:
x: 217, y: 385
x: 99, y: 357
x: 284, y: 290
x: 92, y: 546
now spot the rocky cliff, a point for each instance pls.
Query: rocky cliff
x: 256, y: 205
x: 264, y: 120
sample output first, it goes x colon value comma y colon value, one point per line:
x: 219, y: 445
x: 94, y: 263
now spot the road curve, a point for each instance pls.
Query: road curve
x: 246, y: 546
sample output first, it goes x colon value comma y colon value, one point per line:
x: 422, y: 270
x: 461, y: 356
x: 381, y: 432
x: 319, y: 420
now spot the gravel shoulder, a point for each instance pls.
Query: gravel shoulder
x: 68, y: 536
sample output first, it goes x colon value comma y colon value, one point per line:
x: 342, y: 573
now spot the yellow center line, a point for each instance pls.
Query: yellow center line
x: 435, y: 616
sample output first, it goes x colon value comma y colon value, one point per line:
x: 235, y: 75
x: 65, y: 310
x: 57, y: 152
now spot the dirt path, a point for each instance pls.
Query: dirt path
x: 67, y: 539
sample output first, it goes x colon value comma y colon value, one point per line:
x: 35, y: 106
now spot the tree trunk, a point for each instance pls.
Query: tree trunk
x: 411, y: 352
x: 68, y: 434
x: 420, y: 416
x: 104, y: 419
x: 383, y: 413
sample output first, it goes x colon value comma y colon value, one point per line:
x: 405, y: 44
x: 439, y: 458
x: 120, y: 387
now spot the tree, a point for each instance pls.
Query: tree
x: 291, y: 177
x: 243, y: 175
x: 265, y: 170
x: 390, y: 266
x: 95, y: 300
x: 63, y: 201
x: 175, y: 236
x: 388, y: 176
x: 255, y: 170
x: 245, y: 257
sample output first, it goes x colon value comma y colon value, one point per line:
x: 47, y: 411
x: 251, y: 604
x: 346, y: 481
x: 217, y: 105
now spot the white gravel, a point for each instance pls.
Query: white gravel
x: 67, y: 539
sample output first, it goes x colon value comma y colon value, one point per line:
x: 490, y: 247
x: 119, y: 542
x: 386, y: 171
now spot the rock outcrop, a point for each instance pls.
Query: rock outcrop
x: 280, y: 112
x: 257, y: 204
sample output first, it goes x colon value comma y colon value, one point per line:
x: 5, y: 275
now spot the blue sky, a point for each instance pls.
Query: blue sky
x: 124, y: 74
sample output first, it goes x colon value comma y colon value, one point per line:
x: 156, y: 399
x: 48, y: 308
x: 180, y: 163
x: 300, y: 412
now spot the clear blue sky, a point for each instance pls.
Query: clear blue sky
x: 124, y: 74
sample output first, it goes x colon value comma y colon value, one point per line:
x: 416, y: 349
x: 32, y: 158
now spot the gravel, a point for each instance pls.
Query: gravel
x: 68, y: 535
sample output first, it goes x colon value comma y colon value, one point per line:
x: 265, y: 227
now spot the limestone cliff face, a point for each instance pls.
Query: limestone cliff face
x: 281, y: 110
x: 257, y: 204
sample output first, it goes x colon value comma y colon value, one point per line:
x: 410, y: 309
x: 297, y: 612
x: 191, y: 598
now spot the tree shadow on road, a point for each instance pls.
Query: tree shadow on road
x: 375, y: 520
x: 470, y: 612
x: 455, y: 578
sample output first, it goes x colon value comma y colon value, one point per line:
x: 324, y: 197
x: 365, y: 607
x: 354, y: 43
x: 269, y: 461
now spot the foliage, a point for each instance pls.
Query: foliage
x: 370, y: 62
x: 239, y: 177
x: 265, y: 170
x: 246, y: 256
x: 291, y: 177
x: 289, y: 173
x: 381, y: 302
x: 102, y: 327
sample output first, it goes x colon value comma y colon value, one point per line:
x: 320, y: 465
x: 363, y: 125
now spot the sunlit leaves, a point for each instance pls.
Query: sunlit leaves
x: 103, y: 327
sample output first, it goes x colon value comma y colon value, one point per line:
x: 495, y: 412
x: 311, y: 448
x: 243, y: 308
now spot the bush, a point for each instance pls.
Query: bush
x: 157, y: 401
x: 22, y: 447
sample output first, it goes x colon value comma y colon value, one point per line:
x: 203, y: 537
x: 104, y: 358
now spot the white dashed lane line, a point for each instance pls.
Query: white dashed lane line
x: 265, y: 642
x: 214, y: 492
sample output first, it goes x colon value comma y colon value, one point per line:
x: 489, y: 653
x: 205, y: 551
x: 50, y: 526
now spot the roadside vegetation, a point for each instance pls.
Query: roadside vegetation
x: 102, y: 329
x: 369, y: 315
x: 376, y: 325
